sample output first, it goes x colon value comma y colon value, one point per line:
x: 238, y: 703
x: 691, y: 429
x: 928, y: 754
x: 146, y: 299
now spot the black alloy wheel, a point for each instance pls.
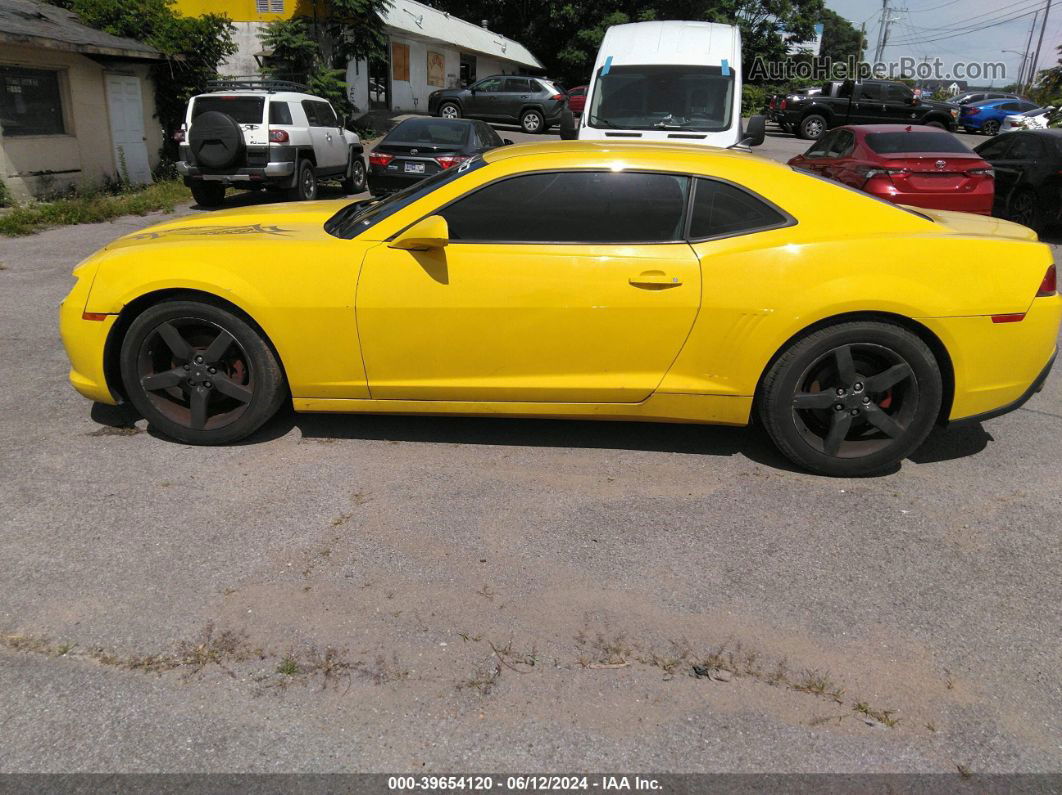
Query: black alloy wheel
x: 852, y: 399
x: 199, y: 373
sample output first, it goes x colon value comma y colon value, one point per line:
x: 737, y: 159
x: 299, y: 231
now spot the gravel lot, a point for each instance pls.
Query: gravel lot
x: 422, y: 594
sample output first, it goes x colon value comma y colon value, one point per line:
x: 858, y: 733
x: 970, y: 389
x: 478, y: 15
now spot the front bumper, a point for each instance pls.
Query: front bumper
x: 85, y: 342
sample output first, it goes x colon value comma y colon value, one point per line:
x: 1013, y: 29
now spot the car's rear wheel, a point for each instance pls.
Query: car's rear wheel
x: 305, y: 183
x: 852, y: 399
x: 354, y: 182
x: 199, y: 373
x: 1024, y: 209
x: 450, y: 110
x: 532, y: 122
x: 990, y: 127
x: 812, y: 127
x: 208, y: 194
x: 938, y: 124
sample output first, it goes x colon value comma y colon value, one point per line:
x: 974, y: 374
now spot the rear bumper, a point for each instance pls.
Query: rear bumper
x: 978, y: 202
x: 997, y: 366
x: 1034, y: 387
x: 381, y: 185
x: 281, y: 170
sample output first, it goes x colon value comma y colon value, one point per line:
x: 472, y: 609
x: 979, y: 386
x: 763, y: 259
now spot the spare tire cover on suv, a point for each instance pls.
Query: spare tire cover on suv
x: 216, y: 140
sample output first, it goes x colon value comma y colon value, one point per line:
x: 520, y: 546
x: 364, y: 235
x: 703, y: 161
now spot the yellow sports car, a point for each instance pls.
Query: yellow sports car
x: 578, y: 280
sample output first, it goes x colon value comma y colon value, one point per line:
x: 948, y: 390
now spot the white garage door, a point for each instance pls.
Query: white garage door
x: 127, y: 128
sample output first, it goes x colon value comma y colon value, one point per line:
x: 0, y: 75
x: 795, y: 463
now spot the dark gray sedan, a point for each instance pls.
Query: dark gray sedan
x: 532, y: 102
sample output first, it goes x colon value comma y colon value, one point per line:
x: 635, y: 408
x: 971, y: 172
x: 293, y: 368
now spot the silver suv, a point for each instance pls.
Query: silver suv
x: 257, y: 133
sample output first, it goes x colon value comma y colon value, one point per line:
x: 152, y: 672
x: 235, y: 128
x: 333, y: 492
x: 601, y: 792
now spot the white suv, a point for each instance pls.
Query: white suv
x: 265, y: 133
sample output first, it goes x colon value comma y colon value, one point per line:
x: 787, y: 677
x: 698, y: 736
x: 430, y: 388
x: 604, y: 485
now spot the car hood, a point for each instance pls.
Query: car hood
x: 290, y: 221
x: 979, y: 225
x: 937, y: 105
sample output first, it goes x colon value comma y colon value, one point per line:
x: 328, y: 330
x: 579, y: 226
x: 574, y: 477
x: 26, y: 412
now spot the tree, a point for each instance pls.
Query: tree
x: 841, y: 40
x: 565, y: 34
x: 193, y: 46
x: 316, y: 50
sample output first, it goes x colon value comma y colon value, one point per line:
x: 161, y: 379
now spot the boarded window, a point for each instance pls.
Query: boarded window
x: 436, y: 69
x: 29, y: 102
x: 400, y: 61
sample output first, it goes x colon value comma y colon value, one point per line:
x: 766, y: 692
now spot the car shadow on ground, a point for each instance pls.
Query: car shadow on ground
x: 752, y: 442
x: 251, y: 198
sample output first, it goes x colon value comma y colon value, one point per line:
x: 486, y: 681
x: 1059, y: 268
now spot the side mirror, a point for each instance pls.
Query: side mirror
x: 913, y: 100
x: 427, y: 234
x: 755, y: 132
x: 507, y: 142
x: 568, y: 131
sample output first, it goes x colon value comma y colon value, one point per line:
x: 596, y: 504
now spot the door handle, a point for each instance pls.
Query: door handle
x: 329, y: 137
x: 657, y: 280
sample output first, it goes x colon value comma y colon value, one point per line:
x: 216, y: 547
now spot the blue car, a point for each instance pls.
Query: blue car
x: 986, y: 117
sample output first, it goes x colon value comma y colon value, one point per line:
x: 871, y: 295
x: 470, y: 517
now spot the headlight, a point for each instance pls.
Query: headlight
x: 955, y: 114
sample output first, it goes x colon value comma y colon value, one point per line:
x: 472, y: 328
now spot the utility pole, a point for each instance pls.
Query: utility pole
x: 1036, y: 59
x: 1028, y: 54
x: 882, y: 30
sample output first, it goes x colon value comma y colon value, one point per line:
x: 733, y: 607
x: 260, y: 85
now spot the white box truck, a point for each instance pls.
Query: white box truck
x: 672, y: 81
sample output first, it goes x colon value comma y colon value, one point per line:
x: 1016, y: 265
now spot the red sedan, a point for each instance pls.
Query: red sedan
x: 905, y: 164
x: 577, y: 99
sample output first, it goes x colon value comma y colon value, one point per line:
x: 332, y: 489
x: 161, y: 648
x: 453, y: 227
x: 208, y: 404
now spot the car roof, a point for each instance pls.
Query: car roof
x: 283, y: 96
x: 883, y: 128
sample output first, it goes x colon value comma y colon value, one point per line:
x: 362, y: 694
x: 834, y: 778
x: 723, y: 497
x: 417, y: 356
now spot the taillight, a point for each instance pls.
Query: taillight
x: 783, y: 104
x: 982, y: 172
x: 558, y: 97
x: 278, y: 136
x: 774, y: 102
x: 380, y: 159
x: 870, y: 172
x: 450, y: 160
x: 967, y: 110
x: 1049, y: 286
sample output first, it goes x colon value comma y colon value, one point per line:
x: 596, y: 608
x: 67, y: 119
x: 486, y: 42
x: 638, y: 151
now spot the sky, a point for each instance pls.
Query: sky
x: 959, y: 30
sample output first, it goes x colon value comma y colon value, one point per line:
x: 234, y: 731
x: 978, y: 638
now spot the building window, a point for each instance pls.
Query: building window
x: 436, y: 69
x: 269, y: 6
x: 29, y: 102
x: 400, y: 61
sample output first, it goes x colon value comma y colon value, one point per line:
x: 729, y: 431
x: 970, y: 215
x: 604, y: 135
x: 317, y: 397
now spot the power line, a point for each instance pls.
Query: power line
x: 965, y: 31
x: 1023, y: 5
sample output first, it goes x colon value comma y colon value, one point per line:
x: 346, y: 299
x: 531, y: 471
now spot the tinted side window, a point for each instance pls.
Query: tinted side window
x: 279, y: 113
x: 326, y: 117
x: 517, y: 85
x: 311, y: 112
x: 870, y: 91
x: 996, y: 148
x: 898, y: 93
x: 1025, y: 147
x: 573, y: 207
x: 822, y: 146
x: 722, y: 209
x: 842, y: 145
x: 1010, y: 106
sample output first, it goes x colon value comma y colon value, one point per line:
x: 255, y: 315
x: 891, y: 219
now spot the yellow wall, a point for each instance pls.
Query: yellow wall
x: 245, y: 10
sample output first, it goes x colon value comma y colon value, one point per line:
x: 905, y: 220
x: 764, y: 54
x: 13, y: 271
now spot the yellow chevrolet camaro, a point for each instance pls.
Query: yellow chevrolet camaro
x: 578, y: 280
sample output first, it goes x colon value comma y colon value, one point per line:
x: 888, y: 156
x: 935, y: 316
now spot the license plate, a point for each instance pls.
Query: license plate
x: 414, y: 168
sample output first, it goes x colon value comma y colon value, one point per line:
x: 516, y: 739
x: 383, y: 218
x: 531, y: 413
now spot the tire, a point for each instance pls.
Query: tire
x: 531, y: 122
x: 355, y: 180
x: 199, y: 373
x: 937, y: 124
x: 892, y: 396
x: 990, y: 127
x: 783, y: 127
x: 1024, y: 208
x: 305, y: 183
x: 216, y: 140
x: 812, y: 127
x: 208, y: 194
x: 450, y: 110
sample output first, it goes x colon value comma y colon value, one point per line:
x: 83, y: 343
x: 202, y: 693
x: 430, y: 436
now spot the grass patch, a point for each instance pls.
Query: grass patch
x: 93, y: 207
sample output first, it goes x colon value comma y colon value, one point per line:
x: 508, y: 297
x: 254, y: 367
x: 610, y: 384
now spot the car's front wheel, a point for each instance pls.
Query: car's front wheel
x: 354, y: 182
x: 450, y: 110
x: 208, y: 194
x: 990, y: 127
x: 852, y: 399
x: 199, y: 373
x: 532, y: 122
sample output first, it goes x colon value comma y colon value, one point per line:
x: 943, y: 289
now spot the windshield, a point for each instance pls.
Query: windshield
x: 662, y: 98
x: 355, y: 218
x: 891, y: 143
x: 245, y: 110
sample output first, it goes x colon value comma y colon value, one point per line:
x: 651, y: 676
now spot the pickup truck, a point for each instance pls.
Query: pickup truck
x: 863, y: 102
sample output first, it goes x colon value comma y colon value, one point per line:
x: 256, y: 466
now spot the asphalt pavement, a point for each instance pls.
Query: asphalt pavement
x: 359, y: 593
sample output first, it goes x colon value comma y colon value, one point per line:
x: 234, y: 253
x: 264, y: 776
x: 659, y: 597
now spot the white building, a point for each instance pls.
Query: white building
x: 431, y: 49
